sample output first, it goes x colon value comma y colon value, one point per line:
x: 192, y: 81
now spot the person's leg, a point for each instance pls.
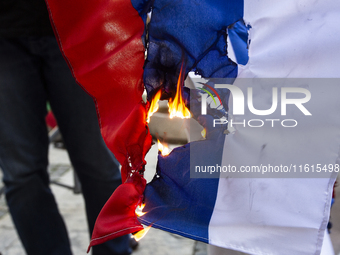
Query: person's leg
x: 23, y: 150
x: 95, y: 165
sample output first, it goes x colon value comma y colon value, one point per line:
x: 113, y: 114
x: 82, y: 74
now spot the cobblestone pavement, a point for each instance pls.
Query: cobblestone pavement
x: 72, y: 208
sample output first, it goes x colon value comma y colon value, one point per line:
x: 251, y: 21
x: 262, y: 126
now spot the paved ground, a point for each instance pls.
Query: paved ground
x: 72, y: 208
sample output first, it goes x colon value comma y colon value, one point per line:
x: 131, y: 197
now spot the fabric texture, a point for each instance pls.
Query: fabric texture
x: 253, y: 215
x: 107, y: 36
x: 195, y: 34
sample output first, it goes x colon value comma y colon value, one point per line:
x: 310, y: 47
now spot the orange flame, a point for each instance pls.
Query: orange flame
x: 164, y: 149
x: 140, y: 234
x: 139, y: 210
x: 154, y: 105
x: 177, y: 106
x: 204, y: 133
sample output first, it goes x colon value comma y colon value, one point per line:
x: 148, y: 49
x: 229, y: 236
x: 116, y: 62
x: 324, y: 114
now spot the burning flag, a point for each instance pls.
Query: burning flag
x: 163, y: 148
x: 177, y: 107
x: 154, y: 105
x: 104, y: 42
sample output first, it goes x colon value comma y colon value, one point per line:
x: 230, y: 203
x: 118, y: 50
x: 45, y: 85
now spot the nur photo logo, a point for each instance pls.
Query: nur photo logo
x: 281, y: 98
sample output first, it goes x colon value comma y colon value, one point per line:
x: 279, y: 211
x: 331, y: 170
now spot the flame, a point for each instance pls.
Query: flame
x: 204, y: 133
x: 177, y: 106
x: 140, y: 234
x: 154, y: 105
x: 164, y: 149
x: 139, y: 210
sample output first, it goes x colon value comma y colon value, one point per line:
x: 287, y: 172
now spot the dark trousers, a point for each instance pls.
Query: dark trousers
x: 32, y: 72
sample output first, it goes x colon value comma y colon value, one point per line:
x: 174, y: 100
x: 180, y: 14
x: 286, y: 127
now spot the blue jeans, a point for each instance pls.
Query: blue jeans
x: 33, y: 71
